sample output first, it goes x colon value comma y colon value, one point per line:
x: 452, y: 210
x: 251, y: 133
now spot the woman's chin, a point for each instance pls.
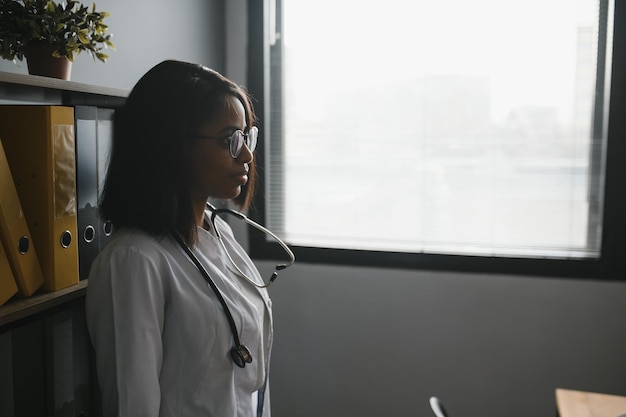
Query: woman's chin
x: 229, y: 195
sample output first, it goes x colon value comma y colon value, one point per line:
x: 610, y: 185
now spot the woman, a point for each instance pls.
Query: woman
x: 165, y: 344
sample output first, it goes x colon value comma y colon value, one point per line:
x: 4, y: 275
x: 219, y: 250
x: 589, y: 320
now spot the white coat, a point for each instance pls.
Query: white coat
x: 161, y: 337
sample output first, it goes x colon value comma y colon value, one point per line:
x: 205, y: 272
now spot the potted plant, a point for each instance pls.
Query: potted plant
x: 48, y: 33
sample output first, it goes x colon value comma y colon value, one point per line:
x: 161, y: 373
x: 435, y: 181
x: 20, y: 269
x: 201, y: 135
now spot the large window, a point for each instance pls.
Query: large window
x: 474, y: 129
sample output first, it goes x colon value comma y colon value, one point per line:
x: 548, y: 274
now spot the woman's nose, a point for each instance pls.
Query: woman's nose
x: 245, y: 155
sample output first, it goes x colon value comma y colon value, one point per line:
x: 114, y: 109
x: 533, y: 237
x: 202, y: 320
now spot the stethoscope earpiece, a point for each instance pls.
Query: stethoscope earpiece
x: 241, y: 355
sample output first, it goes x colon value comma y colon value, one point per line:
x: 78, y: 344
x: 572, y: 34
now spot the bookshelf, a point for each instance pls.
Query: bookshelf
x: 32, y: 89
x: 46, y: 358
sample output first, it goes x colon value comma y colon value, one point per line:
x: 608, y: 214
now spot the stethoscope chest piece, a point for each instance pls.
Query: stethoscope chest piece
x: 241, y: 355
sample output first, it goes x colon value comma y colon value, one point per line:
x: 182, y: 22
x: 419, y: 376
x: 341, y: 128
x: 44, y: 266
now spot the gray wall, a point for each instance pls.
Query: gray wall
x: 376, y: 342
x: 147, y: 32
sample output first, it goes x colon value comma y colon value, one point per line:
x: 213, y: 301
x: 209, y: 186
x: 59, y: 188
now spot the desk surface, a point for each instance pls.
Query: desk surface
x: 572, y: 403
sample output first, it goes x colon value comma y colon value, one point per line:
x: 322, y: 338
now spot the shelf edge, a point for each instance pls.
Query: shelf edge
x: 21, y: 308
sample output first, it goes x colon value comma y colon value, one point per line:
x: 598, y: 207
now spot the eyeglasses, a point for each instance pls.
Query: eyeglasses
x: 236, y: 140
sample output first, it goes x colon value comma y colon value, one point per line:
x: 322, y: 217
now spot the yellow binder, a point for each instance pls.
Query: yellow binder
x: 8, y: 288
x: 39, y: 143
x: 15, y: 234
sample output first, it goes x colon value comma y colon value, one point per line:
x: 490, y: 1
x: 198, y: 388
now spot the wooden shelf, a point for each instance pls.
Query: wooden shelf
x: 19, y: 308
x: 56, y: 84
x: 45, y: 90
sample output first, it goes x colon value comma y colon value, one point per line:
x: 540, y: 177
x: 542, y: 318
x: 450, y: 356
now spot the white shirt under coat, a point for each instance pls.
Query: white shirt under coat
x: 161, y: 337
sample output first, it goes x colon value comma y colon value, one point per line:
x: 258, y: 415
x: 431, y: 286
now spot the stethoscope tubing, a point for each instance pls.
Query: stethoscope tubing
x: 292, y: 259
x: 240, y: 353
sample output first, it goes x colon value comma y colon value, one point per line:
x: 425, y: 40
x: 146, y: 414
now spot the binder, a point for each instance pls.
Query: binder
x: 6, y: 374
x: 8, y: 287
x: 94, y: 137
x: 29, y: 376
x: 15, y: 235
x: 88, y: 220
x: 59, y: 363
x: 39, y: 144
x: 83, y: 358
x: 105, y: 144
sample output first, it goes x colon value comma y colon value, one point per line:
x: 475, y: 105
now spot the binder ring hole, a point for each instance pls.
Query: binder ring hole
x: 66, y: 239
x: 89, y: 234
x: 107, y: 227
x: 23, y: 244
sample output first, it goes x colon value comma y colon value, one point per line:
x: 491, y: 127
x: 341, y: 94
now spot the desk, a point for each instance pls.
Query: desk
x: 572, y: 403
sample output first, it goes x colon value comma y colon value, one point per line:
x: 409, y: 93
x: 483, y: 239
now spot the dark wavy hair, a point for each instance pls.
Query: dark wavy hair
x: 145, y: 184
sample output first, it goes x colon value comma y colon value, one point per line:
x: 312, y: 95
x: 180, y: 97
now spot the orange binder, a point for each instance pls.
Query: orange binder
x: 15, y: 234
x: 8, y: 288
x: 39, y: 143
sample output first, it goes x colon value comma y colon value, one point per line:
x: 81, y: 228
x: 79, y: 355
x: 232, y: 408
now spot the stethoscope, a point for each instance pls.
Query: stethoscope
x: 239, y: 353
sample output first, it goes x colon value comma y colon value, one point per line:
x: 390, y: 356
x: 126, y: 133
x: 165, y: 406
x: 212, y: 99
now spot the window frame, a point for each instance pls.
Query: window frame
x: 610, y: 265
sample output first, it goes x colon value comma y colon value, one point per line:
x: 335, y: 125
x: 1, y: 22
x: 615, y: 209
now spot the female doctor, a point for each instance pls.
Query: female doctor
x: 177, y: 312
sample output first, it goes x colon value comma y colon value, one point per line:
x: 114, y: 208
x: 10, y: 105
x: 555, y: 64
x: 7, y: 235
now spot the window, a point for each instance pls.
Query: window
x: 438, y: 132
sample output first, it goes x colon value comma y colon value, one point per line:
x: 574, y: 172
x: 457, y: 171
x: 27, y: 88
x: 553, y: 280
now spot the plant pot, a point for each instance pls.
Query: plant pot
x: 41, y: 62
